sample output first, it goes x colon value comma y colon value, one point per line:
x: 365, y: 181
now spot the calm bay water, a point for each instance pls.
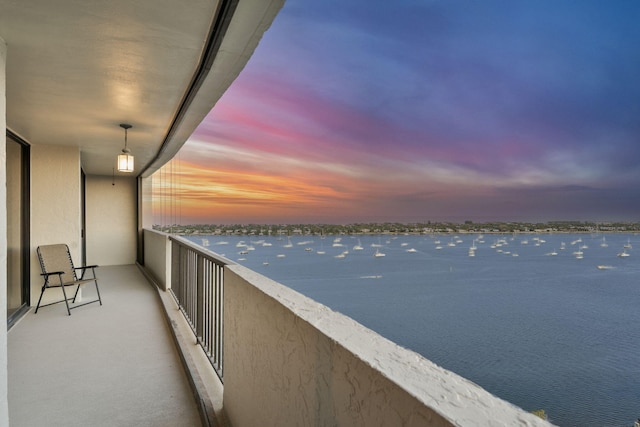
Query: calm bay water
x: 542, y: 331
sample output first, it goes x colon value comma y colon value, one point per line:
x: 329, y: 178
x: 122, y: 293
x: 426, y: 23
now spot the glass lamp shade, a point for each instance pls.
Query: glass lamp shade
x: 125, y: 162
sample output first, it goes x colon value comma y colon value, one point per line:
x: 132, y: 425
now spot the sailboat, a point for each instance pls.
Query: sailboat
x: 378, y: 254
x: 604, y: 242
x: 579, y: 254
x: 340, y: 255
x: 624, y: 253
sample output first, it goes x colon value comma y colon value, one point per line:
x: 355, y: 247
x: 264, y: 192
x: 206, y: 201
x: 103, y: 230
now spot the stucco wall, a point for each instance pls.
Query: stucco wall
x: 111, y: 220
x: 291, y: 361
x: 4, y: 409
x: 55, y: 206
x: 157, y: 257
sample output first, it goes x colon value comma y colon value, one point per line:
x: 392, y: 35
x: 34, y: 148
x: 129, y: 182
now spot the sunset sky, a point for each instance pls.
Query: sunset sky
x: 416, y: 110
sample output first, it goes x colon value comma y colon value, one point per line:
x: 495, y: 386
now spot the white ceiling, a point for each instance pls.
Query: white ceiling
x: 76, y: 69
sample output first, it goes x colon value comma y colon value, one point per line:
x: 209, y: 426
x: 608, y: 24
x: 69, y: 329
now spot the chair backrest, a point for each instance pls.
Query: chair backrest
x: 57, y: 258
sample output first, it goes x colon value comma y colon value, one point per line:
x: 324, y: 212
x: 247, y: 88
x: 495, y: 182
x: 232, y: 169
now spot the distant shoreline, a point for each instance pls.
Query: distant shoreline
x: 467, y: 227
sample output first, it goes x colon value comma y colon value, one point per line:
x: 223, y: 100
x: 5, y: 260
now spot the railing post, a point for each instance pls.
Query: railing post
x: 218, y: 341
x: 197, y: 286
x: 199, y: 299
x: 175, y: 267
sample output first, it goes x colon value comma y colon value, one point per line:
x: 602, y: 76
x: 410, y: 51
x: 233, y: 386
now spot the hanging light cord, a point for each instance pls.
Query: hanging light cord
x: 126, y: 127
x: 125, y: 149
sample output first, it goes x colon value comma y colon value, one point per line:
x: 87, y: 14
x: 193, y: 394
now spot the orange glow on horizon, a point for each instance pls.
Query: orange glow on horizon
x: 186, y: 192
x: 202, y: 192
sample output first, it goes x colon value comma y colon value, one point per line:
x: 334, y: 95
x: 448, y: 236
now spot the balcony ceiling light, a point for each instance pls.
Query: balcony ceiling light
x: 125, y: 160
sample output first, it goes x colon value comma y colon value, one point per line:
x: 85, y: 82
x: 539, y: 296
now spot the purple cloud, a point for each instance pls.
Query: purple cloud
x: 516, y: 101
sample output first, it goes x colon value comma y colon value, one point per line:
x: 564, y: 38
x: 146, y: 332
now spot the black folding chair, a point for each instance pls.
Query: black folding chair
x: 55, y: 261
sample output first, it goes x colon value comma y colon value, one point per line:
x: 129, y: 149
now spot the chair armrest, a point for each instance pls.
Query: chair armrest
x: 52, y: 273
x: 84, y: 270
x: 85, y: 267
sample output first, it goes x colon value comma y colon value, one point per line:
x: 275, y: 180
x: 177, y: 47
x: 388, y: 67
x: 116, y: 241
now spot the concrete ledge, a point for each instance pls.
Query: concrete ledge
x: 292, y: 361
x: 206, y: 386
x: 157, y: 258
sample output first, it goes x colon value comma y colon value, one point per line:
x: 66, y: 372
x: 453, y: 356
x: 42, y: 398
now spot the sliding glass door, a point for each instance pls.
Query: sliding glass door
x: 17, y: 228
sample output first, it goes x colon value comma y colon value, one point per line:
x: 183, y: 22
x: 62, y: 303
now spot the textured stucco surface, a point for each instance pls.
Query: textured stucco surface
x: 111, y: 220
x: 4, y: 417
x: 157, y: 257
x: 55, y: 206
x: 292, y: 361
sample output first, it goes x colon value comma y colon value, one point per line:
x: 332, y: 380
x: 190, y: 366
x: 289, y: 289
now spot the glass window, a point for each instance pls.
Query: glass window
x: 17, y: 229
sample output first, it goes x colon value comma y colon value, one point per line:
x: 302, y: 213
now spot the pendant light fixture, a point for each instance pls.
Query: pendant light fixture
x: 125, y: 160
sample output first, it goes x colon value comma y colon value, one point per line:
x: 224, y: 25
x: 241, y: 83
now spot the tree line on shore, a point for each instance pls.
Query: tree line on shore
x: 401, y: 228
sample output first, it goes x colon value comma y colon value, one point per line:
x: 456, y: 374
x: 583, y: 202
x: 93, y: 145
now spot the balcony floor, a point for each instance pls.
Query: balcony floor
x: 109, y: 365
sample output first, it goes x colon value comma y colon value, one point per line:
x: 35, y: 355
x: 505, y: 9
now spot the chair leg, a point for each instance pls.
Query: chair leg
x: 40, y: 299
x: 75, y: 294
x: 98, y: 291
x: 93, y: 271
x: 66, y: 301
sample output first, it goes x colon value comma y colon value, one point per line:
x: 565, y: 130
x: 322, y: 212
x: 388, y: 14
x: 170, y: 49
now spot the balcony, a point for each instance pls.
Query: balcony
x: 110, y: 365
x: 287, y: 359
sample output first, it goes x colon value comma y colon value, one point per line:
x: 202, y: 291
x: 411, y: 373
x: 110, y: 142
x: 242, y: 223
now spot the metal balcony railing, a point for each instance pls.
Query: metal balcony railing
x: 197, y: 284
x: 347, y: 361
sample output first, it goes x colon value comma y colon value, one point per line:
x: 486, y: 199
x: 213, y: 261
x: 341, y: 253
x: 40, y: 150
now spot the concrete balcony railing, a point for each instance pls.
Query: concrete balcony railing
x: 289, y: 360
